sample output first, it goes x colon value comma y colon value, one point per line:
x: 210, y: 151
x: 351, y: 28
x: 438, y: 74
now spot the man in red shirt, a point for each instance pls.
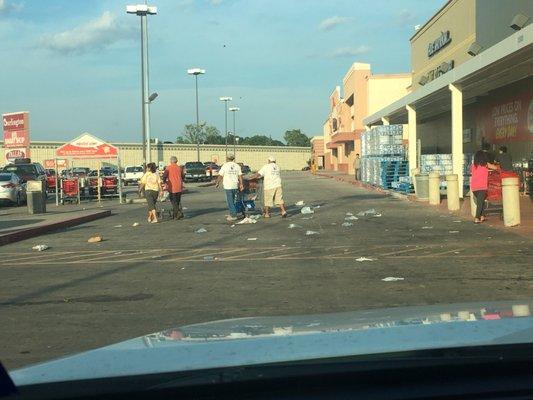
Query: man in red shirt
x: 173, y: 177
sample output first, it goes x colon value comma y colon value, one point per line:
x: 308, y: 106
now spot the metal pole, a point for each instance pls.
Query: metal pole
x: 147, y: 150
x: 197, y: 120
x: 57, y: 182
x: 226, y: 124
x: 119, y: 181
x: 234, y: 134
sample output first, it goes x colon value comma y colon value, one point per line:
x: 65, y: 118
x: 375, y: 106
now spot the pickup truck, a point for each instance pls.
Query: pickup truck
x: 132, y: 174
x: 195, y: 172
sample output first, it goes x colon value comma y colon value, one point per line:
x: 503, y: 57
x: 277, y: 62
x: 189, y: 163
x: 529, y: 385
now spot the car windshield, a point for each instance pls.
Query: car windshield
x: 5, y: 177
x: 370, y: 189
x: 21, y: 170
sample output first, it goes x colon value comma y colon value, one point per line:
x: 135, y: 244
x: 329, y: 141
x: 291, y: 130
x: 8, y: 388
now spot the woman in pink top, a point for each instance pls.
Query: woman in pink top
x: 479, y: 183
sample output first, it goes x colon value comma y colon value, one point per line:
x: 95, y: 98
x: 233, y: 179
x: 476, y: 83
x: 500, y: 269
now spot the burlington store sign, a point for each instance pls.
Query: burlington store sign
x: 16, y: 136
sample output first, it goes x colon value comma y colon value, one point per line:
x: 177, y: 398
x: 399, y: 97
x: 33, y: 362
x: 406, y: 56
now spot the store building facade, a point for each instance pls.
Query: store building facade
x: 472, y: 66
x: 361, y: 93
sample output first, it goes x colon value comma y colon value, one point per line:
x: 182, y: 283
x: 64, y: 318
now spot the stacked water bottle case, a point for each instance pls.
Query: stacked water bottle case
x: 442, y: 163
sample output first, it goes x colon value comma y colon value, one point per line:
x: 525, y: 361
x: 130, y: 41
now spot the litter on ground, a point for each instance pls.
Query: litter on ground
x: 299, y: 203
x: 118, y: 226
x: 95, y: 239
x: 247, y: 220
x: 351, y: 218
x: 292, y: 226
x: 392, y: 279
x: 349, y: 214
x: 362, y: 259
x: 311, y: 217
x: 453, y: 231
x: 210, y: 258
x: 306, y: 210
x: 427, y: 227
x: 251, y: 239
x: 135, y: 224
x: 40, y: 247
x: 309, y: 233
x: 201, y: 230
x: 255, y: 216
x: 377, y: 215
x: 347, y: 224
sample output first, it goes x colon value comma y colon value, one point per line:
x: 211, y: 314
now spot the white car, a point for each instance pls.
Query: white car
x: 133, y: 174
x: 11, y: 189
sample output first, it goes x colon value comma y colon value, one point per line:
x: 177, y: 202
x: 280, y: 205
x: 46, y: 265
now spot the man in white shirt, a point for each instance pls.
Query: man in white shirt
x: 272, y: 192
x: 231, y: 176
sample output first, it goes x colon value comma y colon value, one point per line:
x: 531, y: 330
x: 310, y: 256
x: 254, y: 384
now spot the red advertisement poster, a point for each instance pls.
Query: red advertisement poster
x: 507, y: 120
x: 16, y: 130
x: 51, y: 164
x: 12, y: 154
x: 87, y: 146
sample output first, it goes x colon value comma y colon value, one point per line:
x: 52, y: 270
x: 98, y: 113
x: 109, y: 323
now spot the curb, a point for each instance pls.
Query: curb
x: 28, y: 233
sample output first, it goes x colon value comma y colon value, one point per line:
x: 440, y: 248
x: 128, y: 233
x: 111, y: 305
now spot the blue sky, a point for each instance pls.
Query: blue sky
x: 74, y: 64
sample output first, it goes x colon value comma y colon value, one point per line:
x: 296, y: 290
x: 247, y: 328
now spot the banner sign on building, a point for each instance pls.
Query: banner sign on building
x: 16, y: 135
x: 87, y: 146
x: 51, y: 164
x: 507, y: 120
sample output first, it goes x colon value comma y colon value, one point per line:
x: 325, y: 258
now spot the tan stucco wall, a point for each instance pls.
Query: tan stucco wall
x: 459, y: 17
x: 386, y: 89
x: 288, y: 158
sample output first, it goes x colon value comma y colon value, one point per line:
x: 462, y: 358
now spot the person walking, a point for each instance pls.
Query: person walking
x: 479, y: 183
x: 151, y: 184
x: 231, y: 176
x: 504, y: 159
x: 173, y: 177
x: 272, y: 191
x: 357, y: 167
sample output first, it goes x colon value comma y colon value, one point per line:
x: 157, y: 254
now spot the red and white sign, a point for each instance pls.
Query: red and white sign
x: 87, y: 146
x: 12, y: 154
x: 16, y: 139
x: 51, y: 164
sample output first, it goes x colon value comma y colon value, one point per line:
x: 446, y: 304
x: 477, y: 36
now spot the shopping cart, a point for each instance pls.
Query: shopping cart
x: 246, y: 199
x: 494, y: 191
x: 70, y: 190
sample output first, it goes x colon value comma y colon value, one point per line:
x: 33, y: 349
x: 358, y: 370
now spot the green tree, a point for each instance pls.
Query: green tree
x: 257, y: 140
x: 213, y: 136
x: 295, y: 137
x: 181, y: 139
x: 193, y: 133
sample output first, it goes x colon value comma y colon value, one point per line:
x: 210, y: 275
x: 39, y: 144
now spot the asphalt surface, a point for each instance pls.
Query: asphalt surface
x: 78, y: 296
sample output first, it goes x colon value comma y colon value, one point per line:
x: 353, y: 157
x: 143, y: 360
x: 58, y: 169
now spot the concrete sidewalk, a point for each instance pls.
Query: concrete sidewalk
x: 494, y: 220
x: 16, y: 224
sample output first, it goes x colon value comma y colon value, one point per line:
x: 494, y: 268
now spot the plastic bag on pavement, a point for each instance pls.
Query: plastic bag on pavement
x: 252, y: 239
x: 299, y: 203
x: 370, y: 211
x: 201, y: 230
x: 247, y: 220
x: 351, y: 218
x: 292, y: 226
x: 309, y: 233
x: 347, y: 224
x: 40, y: 247
x: 362, y: 259
x: 255, y: 216
x: 307, y: 210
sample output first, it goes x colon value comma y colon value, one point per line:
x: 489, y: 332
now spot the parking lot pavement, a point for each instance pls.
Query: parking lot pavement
x: 76, y: 296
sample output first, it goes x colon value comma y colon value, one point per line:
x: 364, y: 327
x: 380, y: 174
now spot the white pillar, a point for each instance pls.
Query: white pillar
x: 411, y: 116
x: 457, y: 135
x: 367, y: 127
x: 385, y: 120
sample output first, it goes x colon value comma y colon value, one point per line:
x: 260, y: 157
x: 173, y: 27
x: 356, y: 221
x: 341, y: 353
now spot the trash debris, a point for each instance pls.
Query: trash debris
x: 255, y: 216
x: 349, y: 214
x: 292, y: 226
x: 251, y: 239
x: 247, y: 220
x: 453, y: 231
x: 201, y: 230
x: 347, y: 224
x: 232, y: 226
x: 307, y: 210
x: 184, y: 208
x: 299, y: 203
x: 377, y: 215
x: 392, y: 279
x: 40, y: 247
x: 135, y: 224
x: 361, y: 214
x: 457, y: 222
x: 307, y: 217
x: 317, y: 206
x: 351, y: 218
x: 182, y: 267
x: 309, y: 233
x: 333, y: 223
x: 117, y: 253
x: 427, y: 227
x: 210, y: 258
x: 117, y: 226
x: 95, y: 239
x: 361, y: 259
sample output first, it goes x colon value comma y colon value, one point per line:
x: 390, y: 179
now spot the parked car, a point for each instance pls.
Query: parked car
x: 195, y: 172
x: 211, y: 169
x: 27, y: 171
x: 12, y: 190
x: 132, y: 174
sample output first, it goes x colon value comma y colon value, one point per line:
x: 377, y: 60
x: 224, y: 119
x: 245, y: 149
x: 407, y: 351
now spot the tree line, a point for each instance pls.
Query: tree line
x: 206, y: 134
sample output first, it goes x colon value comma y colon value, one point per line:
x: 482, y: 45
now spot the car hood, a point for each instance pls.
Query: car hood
x: 262, y: 340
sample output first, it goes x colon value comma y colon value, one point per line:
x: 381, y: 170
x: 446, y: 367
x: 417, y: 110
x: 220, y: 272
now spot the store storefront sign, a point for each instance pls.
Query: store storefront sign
x: 435, y: 73
x: 438, y: 44
x: 507, y: 120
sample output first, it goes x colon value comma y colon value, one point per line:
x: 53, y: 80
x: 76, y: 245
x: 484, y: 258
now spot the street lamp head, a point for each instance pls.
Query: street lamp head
x: 196, y: 71
x: 141, y: 9
x: 152, y: 97
x: 234, y: 109
x: 225, y: 99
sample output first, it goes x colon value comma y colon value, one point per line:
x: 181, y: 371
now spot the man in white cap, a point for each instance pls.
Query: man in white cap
x: 231, y: 177
x: 272, y: 192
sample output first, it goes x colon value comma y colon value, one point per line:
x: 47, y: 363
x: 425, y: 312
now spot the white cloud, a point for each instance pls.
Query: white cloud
x: 332, y: 22
x: 350, y: 51
x: 405, y: 16
x: 7, y: 6
x: 95, y: 34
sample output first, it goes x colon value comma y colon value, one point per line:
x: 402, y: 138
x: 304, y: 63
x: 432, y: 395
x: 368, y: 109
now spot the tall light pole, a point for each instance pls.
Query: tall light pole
x: 143, y: 10
x: 225, y: 100
x: 196, y: 72
x: 234, y: 111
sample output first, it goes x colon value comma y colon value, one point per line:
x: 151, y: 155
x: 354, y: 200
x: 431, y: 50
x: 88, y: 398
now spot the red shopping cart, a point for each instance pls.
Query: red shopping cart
x: 70, y: 190
x: 494, y: 190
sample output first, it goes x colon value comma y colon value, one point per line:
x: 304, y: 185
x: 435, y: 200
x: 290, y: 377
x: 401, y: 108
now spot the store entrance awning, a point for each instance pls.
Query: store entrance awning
x: 506, y: 62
